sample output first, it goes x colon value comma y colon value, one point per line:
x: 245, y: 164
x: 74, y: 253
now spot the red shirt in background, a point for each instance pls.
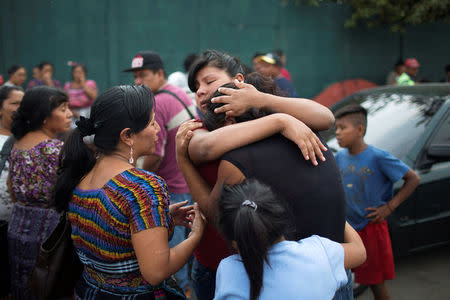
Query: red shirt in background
x: 285, y: 74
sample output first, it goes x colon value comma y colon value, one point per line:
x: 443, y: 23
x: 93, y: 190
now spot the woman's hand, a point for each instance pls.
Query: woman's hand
x: 236, y: 102
x: 181, y: 213
x: 183, y: 137
x: 197, y: 223
x: 304, y: 137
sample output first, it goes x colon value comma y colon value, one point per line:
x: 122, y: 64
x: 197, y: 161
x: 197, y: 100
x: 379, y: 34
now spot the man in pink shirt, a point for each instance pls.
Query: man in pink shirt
x: 173, y: 107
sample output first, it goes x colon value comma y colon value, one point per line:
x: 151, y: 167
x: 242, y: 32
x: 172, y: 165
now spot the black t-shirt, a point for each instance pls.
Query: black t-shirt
x: 314, y: 195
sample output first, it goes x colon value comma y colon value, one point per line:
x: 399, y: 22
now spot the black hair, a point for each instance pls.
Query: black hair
x: 278, y: 52
x: 82, y: 66
x: 44, y: 63
x: 254, y: 226
x: 257, y: 54
x: 357, y: 112
x: 447, y: 68
x: 262, y: 83
x: 6, y: 90
x: 189, y: 60
x: 115, y: 109
x: 247, y: 69
x: 214, y: 58
x: 14, y: 68
x: 37, y: 104
x: 399, y: 63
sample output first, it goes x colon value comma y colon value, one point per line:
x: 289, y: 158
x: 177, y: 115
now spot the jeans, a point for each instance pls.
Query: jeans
x: 179, y: 234
x: 203, y: 281
x: 345, y: 292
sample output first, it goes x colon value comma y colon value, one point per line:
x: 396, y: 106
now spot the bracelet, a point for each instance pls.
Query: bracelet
x: 389, y: 207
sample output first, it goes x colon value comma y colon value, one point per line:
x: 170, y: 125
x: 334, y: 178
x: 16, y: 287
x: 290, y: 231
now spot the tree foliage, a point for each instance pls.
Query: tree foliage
x: 397, y: 14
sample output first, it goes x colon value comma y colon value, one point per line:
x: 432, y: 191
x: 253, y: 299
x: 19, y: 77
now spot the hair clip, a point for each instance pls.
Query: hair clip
x: 249, y: 204
x: 89, y: 139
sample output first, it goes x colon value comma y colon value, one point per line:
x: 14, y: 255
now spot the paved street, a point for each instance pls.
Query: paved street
x: 423, y: 276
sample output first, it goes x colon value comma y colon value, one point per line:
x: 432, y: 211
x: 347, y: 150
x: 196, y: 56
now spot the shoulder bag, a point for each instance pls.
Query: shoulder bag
x: 179, y: 100
x: 57, y: 268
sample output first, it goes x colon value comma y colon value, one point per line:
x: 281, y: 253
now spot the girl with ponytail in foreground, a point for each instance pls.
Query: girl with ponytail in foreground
x: 254, y: 221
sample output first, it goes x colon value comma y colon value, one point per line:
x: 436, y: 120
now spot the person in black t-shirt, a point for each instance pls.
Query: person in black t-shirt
x: 314, y: 194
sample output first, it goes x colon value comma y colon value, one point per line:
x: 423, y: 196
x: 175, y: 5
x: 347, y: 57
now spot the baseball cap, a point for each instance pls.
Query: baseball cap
x: 412, y: 63
x: 271, y: 58
x: 146, y: 60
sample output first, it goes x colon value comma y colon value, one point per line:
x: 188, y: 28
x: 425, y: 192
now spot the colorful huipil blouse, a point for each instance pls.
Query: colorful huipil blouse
x: 103, y: 221
x: 33, y: 172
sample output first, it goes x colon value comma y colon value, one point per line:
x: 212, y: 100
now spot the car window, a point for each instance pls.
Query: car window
x: 442, y: 135
x: 395, y: 121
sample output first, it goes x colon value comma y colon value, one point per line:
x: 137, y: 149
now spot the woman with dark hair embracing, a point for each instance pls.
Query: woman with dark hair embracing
x: 268, y: 266
x: 42, y: 114
x: 209, y: 72
x: 120, y: 215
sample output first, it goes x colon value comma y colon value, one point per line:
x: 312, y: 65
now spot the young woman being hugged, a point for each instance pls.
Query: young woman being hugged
x: 120, y: 215
x: 42, y: 114
x: 270, y: 267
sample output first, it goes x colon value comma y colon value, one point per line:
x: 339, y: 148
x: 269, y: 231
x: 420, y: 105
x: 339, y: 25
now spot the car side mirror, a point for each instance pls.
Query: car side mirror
x: 440, y: 151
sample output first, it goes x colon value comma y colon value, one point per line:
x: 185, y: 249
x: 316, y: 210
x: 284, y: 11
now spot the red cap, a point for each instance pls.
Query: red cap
x: 412, y: 63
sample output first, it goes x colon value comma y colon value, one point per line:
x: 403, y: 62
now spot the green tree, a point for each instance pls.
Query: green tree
x: 396, y: 14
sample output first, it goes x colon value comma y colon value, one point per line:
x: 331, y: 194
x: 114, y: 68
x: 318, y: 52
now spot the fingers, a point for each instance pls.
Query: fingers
x: 312, y: 154
x: 198, y: 213
x: 222, y: 109
x: 222, y: 99
x: 225, y: 91
x: 304, y: 150
x: 371, y: 215
x: 319, y: 147
x: 371, y: 208
x: 190, y: 125
x: 180, y: 204
x: 240, y: 84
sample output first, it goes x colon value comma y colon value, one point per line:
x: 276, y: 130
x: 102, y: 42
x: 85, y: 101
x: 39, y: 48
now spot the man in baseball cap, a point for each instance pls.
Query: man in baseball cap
x: 411, y: 70
x: 174, y: 107
x: 270, y: 65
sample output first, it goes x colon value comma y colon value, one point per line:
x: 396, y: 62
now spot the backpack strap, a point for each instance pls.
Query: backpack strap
x: 179, y: 100
x: 6, y: 150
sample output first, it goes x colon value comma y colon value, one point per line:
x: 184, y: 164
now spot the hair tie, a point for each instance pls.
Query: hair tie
x: 249, y: 204
x: 86, y: 126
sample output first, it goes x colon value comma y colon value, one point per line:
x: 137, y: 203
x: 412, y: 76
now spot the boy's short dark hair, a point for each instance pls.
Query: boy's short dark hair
x: 357, y: 112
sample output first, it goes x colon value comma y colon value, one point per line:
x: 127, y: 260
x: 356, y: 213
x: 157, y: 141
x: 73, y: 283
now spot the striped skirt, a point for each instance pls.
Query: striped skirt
x: 28, y: 227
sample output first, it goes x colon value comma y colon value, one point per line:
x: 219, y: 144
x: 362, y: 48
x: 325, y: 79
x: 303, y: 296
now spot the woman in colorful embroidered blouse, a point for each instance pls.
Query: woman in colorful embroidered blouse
x: 120, y: 215
x: 82, y: 92
x: 43, y: 113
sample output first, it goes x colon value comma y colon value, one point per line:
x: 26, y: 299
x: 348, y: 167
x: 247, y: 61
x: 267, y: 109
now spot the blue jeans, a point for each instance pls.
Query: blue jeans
x: 203, y: 281
x: 345, y: 292
x: 179, y: 234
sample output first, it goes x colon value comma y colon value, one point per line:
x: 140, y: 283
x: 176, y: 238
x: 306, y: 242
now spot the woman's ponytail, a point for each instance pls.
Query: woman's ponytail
x: 75, y: 161
x: 251, y: 215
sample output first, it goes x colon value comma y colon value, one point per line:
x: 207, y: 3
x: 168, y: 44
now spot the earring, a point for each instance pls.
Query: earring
x: 131, y: 160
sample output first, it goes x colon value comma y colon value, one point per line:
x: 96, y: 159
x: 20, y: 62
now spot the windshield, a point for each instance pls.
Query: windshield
x: 394, y: 121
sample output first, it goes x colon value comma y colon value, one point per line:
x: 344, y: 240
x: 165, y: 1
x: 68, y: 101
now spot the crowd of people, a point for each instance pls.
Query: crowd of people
x: 213, y: 181
x: 406, y: 73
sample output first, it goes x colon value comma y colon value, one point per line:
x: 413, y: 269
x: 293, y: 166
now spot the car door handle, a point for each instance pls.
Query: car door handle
x: 404, y: 219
